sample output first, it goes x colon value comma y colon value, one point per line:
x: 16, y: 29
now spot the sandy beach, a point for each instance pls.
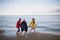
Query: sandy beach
x: 31, y: 36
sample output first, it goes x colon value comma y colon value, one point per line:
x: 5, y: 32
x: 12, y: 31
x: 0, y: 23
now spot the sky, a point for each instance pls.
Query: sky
x: 29, y: 7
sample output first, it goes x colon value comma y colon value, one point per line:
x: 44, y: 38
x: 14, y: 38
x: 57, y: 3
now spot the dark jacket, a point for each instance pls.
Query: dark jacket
x: 24, y: 25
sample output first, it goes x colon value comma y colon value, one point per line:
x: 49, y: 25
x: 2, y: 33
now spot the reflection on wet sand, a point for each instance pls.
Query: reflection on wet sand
x: 20, y: 37
x: 38, y: 36
x: 31, y: 36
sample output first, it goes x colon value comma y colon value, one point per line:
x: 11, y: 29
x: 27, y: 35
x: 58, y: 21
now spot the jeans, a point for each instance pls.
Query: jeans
x: 18, y: 30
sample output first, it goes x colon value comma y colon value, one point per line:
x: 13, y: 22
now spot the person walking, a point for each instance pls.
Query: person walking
x: 32, y: 24
x: 24, y: 27
x: 18, y: 25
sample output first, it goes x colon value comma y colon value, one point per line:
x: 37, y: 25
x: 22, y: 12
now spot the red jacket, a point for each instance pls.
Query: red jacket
x: 18, y: 24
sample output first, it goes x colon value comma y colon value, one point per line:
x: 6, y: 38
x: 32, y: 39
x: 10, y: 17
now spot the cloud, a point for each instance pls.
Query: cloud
x: 55, y: 10
x: 28, y: 7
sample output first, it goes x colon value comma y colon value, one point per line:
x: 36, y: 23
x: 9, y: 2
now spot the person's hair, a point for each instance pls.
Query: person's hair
x: 24, y: 20
x: 19, y: 18
x: 34, y: 20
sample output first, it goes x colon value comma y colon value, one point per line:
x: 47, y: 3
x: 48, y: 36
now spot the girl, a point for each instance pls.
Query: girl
x: 18, y: 25
x: 32, y: 24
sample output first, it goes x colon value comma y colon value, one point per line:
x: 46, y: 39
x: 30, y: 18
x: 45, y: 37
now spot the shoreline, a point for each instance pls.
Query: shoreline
x: 31, y: 36
x: 11, y: 32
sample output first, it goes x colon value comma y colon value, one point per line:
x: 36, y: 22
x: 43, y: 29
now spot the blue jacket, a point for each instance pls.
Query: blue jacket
x: 24, y: 25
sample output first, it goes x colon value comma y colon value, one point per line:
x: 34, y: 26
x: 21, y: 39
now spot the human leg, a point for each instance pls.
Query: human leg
x: 18, y: 30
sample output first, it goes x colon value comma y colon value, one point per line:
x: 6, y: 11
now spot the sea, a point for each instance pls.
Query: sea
x: 44, y: 23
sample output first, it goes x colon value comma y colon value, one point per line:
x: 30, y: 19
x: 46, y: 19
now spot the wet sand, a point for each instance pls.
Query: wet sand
x: 31, y: 36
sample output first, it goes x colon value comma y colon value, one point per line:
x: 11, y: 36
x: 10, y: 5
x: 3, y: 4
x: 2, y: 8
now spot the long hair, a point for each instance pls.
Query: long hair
x: 33, y: 20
